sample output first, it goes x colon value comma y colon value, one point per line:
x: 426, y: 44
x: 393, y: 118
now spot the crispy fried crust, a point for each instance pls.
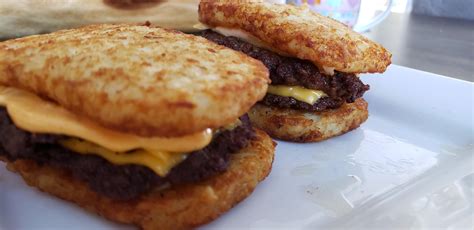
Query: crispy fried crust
x: 299, y: 32
x: 300, y: 126
x: 131, y: 78
x: 176, y: 208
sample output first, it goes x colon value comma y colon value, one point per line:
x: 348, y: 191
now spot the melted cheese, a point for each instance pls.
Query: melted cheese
x: 328, y: 70
x: 243, y: 35
x: 200, y: 26
x: 158, y: 161
x: 309, y: 96
x: 31, y: 113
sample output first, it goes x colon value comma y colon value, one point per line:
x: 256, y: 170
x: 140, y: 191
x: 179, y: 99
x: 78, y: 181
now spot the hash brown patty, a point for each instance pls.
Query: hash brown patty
x: 180, y: 207
x: 299, y: 32
x: 132, y: 77
x: 303, y: 126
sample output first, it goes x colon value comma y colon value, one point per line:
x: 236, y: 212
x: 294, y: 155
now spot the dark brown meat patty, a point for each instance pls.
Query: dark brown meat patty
x: 322, y: 104
x: 340, y: 88
x: 352, y: 83
x: 121, y: 182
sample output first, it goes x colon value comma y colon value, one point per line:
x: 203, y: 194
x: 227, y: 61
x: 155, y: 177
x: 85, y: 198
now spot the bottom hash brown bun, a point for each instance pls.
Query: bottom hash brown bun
x: 302, y: 126
x: 179, y: 207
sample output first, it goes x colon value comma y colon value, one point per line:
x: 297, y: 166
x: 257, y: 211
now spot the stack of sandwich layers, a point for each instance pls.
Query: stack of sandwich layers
x: 153, y: 127
x: 313, y: 62
x: 141, y: 125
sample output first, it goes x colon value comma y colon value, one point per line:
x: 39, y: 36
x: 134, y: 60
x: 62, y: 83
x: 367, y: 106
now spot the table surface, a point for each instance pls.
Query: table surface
x: 439, y: 45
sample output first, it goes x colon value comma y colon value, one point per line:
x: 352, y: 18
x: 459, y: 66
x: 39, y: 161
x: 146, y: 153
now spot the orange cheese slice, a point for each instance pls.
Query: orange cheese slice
x: 34, y: 114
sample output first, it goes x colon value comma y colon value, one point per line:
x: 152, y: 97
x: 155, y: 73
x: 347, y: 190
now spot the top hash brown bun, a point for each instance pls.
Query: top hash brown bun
x: 96, y: 72
x: 291, y: 30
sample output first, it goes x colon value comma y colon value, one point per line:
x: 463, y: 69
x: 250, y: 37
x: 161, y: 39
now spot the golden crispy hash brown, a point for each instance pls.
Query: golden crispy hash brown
x: 139, y: 79
x: 301, y: 126
x: 179, y: 207
x: 299, y: 32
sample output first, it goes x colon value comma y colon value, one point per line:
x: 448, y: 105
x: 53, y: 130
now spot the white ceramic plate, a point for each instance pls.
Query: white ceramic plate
x: 409, y: 165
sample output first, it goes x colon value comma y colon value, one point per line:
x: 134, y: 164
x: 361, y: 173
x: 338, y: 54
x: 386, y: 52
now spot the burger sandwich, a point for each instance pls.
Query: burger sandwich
x: 139, y: 124
x: 314, y: 62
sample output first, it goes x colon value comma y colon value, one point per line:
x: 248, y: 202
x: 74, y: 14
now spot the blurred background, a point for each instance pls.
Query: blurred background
x: 430, y: 35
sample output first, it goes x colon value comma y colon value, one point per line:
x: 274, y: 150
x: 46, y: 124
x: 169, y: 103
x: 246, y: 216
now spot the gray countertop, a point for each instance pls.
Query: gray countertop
x: 438, y: 45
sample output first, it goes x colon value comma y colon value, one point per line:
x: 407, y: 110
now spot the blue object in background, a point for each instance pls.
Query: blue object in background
x: 334, y: 3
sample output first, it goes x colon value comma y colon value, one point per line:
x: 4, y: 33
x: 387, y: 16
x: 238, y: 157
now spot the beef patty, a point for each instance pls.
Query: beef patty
x: 352, y: 84
x: 322, y: 104
x: 340, y: 88
x: 121, y: 182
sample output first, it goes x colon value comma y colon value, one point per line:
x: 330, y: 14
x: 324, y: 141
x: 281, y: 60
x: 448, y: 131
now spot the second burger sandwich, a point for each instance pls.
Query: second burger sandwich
x: 141, y: 125
x: 313, y: 62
